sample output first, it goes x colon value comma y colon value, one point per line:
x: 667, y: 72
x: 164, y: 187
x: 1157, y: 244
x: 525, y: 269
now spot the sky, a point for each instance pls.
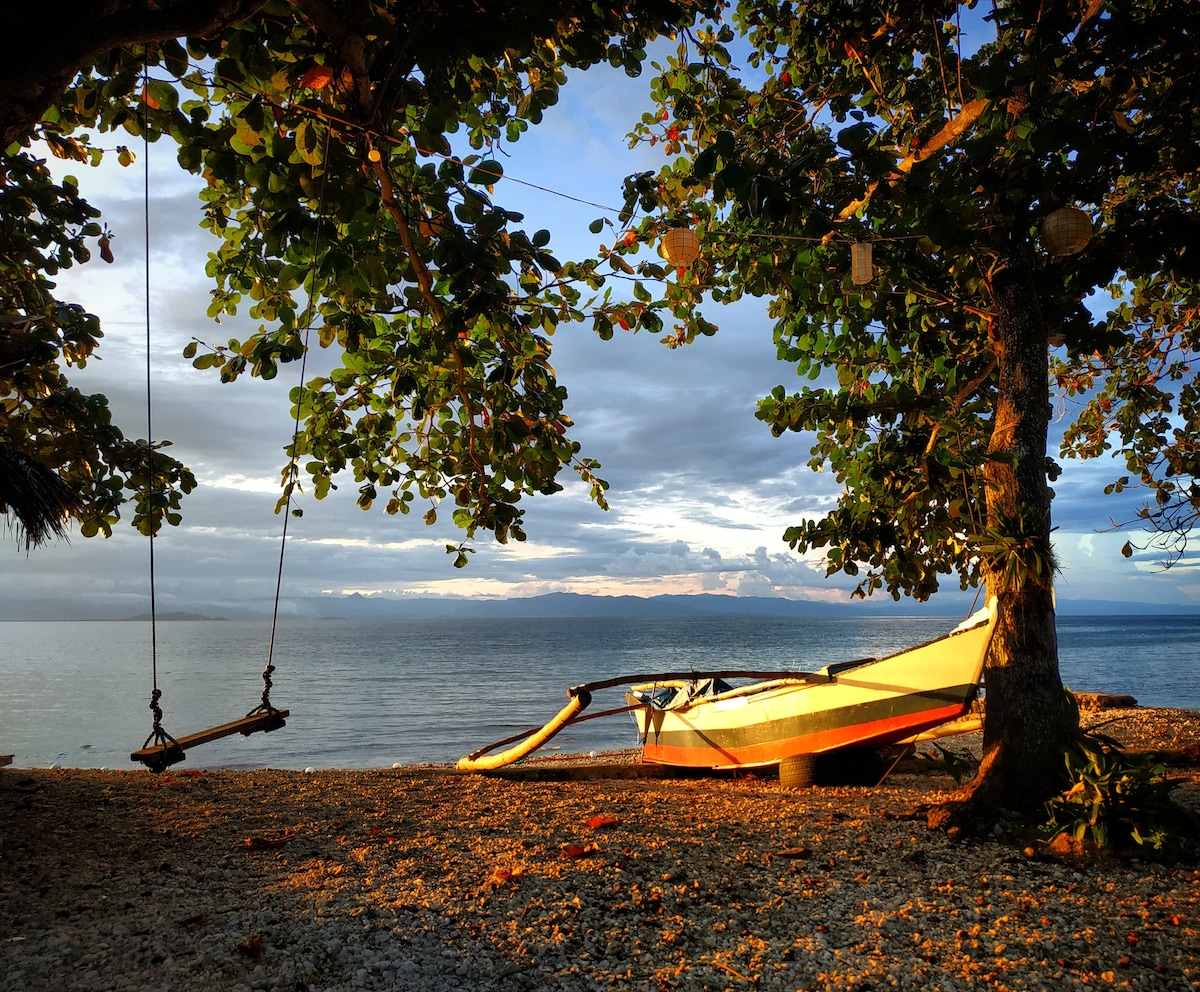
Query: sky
x: 700, y: 495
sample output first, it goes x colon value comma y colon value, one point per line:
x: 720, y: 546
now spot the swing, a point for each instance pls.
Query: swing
x: 166, y: 750
x: 160, y: 750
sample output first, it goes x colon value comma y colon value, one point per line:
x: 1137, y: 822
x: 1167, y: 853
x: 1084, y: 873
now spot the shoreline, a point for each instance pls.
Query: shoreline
x: 1172, y: 729
x: 424, y: 878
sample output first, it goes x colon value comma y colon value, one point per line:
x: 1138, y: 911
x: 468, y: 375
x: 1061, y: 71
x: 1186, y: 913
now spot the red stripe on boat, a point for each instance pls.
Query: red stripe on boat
x: 708, y: 754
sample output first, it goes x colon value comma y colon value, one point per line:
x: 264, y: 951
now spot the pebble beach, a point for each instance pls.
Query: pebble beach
x: 566, y: 874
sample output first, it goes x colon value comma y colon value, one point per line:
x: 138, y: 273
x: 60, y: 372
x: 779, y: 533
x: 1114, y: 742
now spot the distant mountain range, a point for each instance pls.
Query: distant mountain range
x: 561, y: 604
x: 568, y: 604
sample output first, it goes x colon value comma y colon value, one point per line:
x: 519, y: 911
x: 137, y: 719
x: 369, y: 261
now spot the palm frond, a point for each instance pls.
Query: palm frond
x: 36, y: 501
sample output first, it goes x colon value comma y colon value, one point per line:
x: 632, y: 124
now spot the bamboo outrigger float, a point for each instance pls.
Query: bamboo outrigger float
x: 701, y: 720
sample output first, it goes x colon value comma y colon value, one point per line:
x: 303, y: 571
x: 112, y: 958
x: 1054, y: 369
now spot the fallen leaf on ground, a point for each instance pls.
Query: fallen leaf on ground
x: 505, y: 876
x: 793, y: 852
x: 599, y: 822
x: 267, y: 843
x: 575, y: 851
x: 251, y: 948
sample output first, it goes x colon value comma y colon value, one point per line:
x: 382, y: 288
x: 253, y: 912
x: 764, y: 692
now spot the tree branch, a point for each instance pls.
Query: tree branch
x: 45, y: 46
x: 948, y: 135
x: 425, y: 284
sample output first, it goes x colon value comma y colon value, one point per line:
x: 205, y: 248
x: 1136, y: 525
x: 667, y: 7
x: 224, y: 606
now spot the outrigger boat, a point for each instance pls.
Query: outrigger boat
x: 703, y: 720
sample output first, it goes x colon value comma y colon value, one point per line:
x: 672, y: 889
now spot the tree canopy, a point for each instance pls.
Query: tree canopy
x: 323, y: 132
x: 943, y: 137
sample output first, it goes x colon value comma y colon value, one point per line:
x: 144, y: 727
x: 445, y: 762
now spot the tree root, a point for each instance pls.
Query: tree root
x: 956, y: 818
x: 977, y: 807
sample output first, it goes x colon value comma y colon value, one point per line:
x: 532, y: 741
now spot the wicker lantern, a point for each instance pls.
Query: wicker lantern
x: 1066, y: 231
x: 861, y: 269
x: 681, y: 246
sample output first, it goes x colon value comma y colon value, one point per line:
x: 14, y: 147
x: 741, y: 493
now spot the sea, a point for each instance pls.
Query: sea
x: 383, y: 693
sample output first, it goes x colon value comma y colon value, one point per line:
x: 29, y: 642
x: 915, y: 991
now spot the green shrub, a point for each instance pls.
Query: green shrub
x: 1119, y: 801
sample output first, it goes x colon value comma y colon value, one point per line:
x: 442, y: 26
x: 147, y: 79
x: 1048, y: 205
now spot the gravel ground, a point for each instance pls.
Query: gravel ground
x: 587, y: 878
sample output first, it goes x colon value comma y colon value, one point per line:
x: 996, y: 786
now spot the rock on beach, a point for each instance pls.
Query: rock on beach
x: 424, y: 879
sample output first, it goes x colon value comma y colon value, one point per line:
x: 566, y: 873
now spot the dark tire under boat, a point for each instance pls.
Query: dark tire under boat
x: 797, y: 772
x: 850, y: 766
x: 845, y: 766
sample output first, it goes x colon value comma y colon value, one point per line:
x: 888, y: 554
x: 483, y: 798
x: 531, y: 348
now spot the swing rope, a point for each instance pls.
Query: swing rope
x: 157, y: 734
x: 160, y: 749
x: 265, y: 705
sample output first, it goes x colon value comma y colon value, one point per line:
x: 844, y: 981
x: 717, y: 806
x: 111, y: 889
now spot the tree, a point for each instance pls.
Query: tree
x: 322, y: 129
x: 943, y: 138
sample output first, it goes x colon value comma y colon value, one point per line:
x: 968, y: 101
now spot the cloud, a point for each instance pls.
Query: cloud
x: 676, y: 559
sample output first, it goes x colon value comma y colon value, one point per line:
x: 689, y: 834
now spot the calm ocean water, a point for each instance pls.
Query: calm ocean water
x: 367, y: 694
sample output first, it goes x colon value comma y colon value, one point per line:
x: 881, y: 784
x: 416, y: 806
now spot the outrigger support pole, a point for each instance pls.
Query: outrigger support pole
x: 692, y: 676
x: 481, y: 761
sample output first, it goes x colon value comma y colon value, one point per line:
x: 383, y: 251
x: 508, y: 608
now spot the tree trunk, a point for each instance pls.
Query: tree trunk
x: 1028, y: 715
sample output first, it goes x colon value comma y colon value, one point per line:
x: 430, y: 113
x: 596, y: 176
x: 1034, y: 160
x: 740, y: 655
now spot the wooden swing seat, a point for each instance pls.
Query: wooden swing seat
x: 159, y: 756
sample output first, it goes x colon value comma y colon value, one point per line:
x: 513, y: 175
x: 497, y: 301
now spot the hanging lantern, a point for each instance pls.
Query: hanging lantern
x: 681, y: 246
x: 861, y: 269
x: 1066, y: 231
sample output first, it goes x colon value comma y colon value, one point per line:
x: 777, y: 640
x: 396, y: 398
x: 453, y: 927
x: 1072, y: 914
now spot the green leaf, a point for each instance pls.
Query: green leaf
x: 309, y: 142
x: 705, y: 162
x: 247, y: 134
x: 164, y: 94
x: 486, y: 173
